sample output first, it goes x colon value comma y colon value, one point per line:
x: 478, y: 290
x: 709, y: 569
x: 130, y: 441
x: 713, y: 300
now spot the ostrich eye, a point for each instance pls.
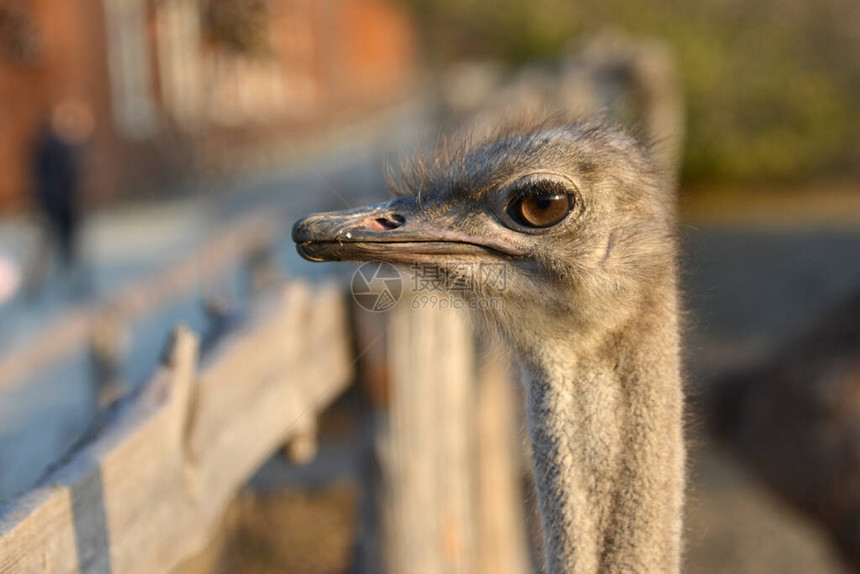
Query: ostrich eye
x: 540, y: 208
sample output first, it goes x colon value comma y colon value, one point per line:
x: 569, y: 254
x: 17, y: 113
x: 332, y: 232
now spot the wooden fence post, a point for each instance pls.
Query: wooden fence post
x: 502, y: 540
x: 434, y: 487
x: 430, y: 448
x: 108, y: 347
x: 423, y: 475
x: 302, y: 447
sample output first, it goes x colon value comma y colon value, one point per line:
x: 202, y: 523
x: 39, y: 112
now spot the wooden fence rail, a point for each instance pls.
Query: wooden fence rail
x: 145, y: 492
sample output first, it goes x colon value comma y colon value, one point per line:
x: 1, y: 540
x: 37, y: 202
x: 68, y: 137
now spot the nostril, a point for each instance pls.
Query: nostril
x: 389, y: 221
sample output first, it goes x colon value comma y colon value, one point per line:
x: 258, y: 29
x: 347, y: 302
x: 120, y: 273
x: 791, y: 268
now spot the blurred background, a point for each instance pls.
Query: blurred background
x: 154, y: 154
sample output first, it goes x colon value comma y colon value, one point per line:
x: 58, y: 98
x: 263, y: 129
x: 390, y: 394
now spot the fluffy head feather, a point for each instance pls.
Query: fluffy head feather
x: 615, y: 248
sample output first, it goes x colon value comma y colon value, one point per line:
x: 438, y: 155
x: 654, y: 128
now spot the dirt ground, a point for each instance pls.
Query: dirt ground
x: 291, y: 531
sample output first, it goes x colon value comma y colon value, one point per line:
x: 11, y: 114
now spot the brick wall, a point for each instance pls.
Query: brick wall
x: 65, y: 66
x: 327, y: 58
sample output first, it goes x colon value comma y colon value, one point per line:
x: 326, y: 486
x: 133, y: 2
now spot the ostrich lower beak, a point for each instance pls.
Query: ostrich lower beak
x: 395, y: 231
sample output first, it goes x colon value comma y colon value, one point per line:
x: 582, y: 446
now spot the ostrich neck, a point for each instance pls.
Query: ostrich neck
x: 607, y: 439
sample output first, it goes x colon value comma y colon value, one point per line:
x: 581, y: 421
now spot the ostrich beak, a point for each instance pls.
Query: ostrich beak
x: 396, y: 231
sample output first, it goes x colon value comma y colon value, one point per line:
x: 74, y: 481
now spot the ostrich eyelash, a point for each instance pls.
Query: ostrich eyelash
x: 542, y: 188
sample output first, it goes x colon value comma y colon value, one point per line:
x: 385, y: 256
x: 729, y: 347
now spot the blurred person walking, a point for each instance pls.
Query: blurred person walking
x: 56, y: 178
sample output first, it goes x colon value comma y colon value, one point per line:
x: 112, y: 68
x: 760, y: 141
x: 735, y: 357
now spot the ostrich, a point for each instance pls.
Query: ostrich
x: 578, y: 215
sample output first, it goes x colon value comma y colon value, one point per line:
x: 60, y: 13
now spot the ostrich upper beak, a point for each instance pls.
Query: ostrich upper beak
x: 395, y: 231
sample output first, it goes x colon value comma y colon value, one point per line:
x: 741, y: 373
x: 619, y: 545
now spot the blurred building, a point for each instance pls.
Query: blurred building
x: 182, y: 85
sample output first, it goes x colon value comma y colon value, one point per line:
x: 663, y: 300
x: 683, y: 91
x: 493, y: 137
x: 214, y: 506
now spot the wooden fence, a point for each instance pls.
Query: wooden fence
x: 144, y: 492
x: 52, y: 386
x: 442, y: 489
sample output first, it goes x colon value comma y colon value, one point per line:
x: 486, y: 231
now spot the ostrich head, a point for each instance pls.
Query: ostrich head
x: 574, y: 212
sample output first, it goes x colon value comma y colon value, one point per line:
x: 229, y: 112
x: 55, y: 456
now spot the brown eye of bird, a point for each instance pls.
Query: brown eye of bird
x: 541, y: 210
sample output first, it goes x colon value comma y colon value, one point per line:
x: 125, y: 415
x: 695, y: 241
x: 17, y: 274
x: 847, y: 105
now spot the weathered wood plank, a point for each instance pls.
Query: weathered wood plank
x: 423, y: 480
x: 144, y: 494
x: 441, y: 490
x: 501, y: 539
